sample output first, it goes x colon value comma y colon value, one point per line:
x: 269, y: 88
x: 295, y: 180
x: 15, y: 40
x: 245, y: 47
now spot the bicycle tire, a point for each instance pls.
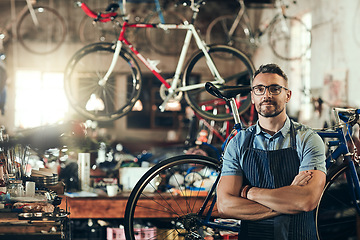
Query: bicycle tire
x: 166, y: 42
x: 119, y: 94
x: 233, y: 66
x: 47, y: 37
x: 218, y: 33
x: 91, y: 31
x: 289, y: 46
x: 335, y: 215
x: 182, y: 219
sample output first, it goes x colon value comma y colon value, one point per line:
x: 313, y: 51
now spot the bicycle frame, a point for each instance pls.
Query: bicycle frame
x: 342, y: 149
x: 190, y: 32
x: 242, y: 14
x: 173, y: 88
x: 238, y: 125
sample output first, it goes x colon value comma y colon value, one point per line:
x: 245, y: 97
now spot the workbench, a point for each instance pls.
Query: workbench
x: 13, y: 228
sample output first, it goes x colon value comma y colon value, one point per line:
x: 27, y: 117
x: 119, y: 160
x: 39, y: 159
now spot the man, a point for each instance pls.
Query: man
x: 273, y: 172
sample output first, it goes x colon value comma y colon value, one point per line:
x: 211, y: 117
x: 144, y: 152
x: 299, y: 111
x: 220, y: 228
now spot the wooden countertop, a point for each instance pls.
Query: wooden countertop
x: 95, y: 207
x: 103, y: 207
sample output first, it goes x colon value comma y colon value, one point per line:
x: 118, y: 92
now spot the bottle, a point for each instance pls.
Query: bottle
x: 2, y: 181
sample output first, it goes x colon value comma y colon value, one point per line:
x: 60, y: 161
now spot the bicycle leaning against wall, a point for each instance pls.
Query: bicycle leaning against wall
x: 284, y: 41
x: 182, y: 190
x: 103, y: 81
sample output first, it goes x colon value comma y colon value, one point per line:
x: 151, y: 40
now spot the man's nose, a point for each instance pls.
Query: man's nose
x: 267, y: 92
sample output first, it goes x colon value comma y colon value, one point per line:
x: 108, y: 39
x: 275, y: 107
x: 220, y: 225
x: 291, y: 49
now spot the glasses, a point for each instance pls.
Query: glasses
x: 274, y: 89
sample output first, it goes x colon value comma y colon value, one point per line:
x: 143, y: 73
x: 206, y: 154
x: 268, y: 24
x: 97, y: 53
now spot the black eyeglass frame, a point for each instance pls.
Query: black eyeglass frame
x: 272, y: 92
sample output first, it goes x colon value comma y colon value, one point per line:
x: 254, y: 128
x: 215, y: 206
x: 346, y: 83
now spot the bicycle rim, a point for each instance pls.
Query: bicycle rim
x: 291, y: 43
x: 218, y: 33
x: 233, y: 66
x: 47, y: 36
x: 336, y: 216
x: 102, y: 102
x: 171, y: 191
x: 166, y: 42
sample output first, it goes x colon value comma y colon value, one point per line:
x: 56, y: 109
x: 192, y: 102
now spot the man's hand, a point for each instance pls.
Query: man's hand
x: 302, y: 178
x: 301, y: 196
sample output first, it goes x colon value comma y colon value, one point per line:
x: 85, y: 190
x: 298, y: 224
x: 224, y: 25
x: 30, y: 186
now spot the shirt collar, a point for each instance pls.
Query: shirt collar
x: 283, y: 131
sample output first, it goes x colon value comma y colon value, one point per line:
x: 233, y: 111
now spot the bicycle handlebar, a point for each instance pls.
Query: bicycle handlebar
x: 193, y: 4
x: 102, y: 17
x: 349, y: 116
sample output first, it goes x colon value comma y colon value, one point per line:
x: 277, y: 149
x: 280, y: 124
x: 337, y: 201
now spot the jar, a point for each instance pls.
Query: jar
x: 15, y: 188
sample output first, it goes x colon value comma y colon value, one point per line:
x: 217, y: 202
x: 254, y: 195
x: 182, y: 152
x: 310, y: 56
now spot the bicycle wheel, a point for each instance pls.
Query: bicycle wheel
x: 233, y: 66
x: 91, y: 31
x: 336, y: 216
x: 174, y: 189
x: 166, y: 42
x: 218, y: 33
x: 289, y: 37
x: 96, y: 101
x: 44, y: 37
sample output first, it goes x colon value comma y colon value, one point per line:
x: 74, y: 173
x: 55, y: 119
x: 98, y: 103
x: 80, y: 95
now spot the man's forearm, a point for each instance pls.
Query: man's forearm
x: 249, y: 210
x: 286, y: 200
x: 302, y: 195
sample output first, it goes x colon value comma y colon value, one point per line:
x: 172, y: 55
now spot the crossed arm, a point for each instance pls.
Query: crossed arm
x: 302, y: 195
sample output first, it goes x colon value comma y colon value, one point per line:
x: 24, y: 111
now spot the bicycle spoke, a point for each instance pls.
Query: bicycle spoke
x: 233, y: 67
x: 117, y: 95
x: 174, y: 197
x: 336, y: 215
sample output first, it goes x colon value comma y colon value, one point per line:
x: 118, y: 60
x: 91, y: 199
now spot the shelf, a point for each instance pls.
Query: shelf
x: 11, y: 225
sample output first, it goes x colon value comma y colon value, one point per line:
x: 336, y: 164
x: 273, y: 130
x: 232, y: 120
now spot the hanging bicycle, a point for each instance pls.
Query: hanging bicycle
x: 39, y: 29
x: 103, y: 80
x: 289, y: 38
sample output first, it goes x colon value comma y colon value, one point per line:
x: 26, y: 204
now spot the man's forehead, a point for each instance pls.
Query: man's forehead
x: 273, y: 77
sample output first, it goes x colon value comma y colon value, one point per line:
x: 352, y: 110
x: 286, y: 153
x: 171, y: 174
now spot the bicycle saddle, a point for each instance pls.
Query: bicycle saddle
x: 113, y: 7
x: 226, y: 92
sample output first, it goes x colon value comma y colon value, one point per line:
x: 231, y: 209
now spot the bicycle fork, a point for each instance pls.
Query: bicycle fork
x: 118, y: 46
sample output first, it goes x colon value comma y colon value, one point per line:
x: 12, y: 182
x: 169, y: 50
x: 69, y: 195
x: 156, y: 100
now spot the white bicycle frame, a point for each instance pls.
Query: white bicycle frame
x: 173, y: 88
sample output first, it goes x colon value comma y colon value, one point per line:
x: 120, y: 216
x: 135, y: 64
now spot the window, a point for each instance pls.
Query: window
x: 39, y: 98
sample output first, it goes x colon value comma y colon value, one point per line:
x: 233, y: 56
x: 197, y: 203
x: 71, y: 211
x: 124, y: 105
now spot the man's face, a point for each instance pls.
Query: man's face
x: 268, y: 104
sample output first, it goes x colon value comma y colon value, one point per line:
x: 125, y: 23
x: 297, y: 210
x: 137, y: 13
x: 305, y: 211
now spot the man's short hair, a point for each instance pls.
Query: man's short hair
x: 271, y: 68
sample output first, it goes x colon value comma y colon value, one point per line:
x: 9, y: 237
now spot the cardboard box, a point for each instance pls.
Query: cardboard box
x: 129, y: 176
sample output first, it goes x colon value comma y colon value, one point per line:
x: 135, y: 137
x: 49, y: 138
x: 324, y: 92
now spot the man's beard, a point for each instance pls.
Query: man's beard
x: 269, y: 113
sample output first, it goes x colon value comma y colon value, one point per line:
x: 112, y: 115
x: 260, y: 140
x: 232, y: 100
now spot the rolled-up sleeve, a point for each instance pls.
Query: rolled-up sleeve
x: 232, y: 158
x: 313, y: 153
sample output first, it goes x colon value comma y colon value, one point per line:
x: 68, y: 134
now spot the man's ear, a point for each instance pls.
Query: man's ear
x: 288, y: 95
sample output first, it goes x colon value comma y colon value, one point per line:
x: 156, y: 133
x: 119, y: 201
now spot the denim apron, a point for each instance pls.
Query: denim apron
x: 274, y: 169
